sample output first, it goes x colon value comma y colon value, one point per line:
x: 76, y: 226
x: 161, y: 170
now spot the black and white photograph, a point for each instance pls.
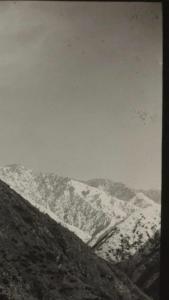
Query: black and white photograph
x: 80, y: 151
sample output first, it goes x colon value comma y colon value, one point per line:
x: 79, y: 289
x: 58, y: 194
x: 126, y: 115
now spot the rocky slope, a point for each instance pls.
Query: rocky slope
x: 144, y: 267
x: 88, y: 210
x: 115, y: 228
x: 123, y: 240
x: 40, y: 259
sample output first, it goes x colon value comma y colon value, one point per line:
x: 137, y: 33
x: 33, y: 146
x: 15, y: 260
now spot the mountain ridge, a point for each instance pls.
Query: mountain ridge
x: 74, y: 203
x: 125, y: 238
x: 94, y: 216
x: 122, y: 191
x: 40, y: 259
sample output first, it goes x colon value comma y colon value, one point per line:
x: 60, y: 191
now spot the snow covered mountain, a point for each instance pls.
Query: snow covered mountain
x: 123, y: 240
x: 40, y: 259
x: 115, y: 228
x: 84, y: 209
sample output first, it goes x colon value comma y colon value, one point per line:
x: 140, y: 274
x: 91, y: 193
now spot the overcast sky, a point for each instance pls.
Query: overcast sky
x: 81, y: 89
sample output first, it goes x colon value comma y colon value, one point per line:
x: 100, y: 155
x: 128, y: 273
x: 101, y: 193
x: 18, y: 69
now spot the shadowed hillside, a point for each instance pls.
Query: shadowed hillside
x: 39, y: 259
x: 144, y: 267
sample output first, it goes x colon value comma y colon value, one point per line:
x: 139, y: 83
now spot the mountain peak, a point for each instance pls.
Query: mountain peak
x: 142, y: 201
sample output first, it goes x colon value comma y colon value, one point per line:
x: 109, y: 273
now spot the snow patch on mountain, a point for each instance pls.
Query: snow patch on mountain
x: 74, y: 203
x: 125, y: 238
x: 115, y: 228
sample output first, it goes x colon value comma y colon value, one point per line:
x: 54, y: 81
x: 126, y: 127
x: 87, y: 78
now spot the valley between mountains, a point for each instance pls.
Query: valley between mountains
x: 104, y: 229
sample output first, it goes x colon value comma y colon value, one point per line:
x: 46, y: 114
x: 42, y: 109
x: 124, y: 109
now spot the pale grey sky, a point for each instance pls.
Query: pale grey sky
x: 81, y: 89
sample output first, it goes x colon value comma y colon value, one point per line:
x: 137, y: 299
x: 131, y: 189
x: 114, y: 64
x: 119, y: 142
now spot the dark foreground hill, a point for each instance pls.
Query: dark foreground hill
x: 144, y: 267
x: 40, y: 259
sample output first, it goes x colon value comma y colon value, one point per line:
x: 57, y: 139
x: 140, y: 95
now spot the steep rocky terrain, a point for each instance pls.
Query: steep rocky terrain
x: 123, y: 240
x: 40, y: 259
x: 88, y: 210
x: 115, y: 228
x: 144, y: 267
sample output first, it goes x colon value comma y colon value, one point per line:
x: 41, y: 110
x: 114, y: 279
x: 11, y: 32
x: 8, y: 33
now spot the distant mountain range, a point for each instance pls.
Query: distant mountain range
x: 121, y: 191
x: 40, y: 259
x: 114, y: 189
x: 114, y: 220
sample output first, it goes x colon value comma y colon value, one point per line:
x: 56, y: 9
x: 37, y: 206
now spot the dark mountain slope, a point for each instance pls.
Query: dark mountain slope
x: 39, y: 259
x: 144, y: 267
